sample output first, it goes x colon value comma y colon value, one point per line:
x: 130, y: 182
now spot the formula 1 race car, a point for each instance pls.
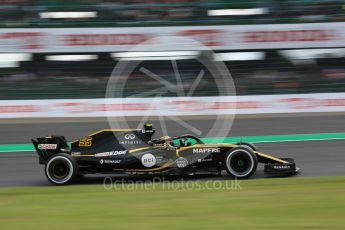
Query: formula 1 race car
x: 128, y: 151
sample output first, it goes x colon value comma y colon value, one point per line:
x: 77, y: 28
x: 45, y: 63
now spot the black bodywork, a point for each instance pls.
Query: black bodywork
x: 134, y: 151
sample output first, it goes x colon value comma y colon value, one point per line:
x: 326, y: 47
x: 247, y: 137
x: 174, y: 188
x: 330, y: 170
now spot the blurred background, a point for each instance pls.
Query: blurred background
x: 50, y: 49
x: 286, y: 58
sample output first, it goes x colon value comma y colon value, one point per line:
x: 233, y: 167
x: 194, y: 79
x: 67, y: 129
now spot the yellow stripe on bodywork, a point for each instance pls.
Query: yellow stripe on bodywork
x: 107, y: 130
x: 272, y: 158
x: 140, y: 149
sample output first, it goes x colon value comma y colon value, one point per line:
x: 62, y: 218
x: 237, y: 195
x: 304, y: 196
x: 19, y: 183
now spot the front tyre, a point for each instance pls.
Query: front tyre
x: 241, y: 162
x: 61, y: 169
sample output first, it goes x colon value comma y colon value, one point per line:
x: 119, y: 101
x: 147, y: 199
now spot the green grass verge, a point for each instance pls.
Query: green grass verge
x: 288, y: 203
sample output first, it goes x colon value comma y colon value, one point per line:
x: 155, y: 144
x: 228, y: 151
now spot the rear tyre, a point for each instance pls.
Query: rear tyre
x: 241, y: 162
x: 61, y: 169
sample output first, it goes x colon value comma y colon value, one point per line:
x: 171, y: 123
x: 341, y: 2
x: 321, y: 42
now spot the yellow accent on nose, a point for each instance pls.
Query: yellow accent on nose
x: 272, y: 158
x: 138, y: 149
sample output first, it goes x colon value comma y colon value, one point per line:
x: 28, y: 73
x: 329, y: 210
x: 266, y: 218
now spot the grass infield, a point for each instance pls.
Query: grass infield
x: 287, y: 203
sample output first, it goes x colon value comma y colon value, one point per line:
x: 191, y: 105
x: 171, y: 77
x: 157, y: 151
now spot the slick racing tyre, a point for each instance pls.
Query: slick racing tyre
x: 241, y: 162
x: 247, y: 145
x: 61, y: 169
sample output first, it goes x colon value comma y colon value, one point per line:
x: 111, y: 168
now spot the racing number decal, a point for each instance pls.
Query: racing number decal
x: 85, y: 142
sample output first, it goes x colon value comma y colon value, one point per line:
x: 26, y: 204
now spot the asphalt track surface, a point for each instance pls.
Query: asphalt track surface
x: 315, y: 158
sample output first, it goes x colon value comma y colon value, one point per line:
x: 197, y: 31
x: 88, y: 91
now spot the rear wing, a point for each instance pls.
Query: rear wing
x: 48, y: 146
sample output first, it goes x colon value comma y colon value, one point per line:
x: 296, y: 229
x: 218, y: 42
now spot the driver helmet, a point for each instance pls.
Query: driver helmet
x: 148, y: 127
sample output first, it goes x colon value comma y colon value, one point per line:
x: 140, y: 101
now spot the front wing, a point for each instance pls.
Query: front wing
x: 279, y: 168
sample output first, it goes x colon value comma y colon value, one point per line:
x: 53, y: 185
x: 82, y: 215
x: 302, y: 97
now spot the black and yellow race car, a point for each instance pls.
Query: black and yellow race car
x: 128, y: 151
